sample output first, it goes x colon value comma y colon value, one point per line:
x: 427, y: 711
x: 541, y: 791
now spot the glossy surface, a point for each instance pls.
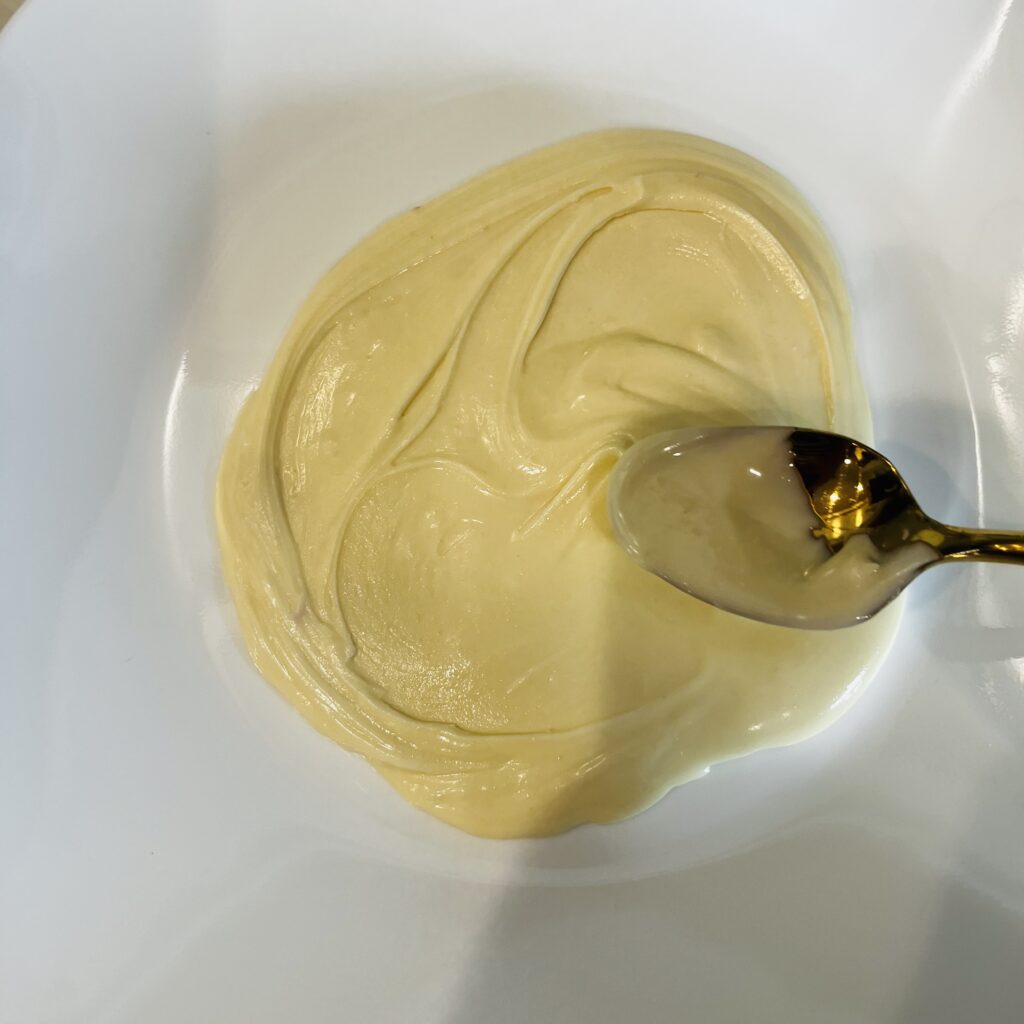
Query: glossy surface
x: 412, y: 506
x: 178, y: 844
x: 797, y: 527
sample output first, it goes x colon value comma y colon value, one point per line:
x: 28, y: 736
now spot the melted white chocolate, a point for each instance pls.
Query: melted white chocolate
x: 724, y: 515
x: 412, y: 510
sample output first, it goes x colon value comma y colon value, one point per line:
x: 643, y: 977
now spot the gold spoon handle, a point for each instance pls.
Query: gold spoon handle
x: 981, y: 545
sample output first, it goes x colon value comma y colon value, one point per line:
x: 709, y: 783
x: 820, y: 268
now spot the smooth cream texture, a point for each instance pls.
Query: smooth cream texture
x: 412, y: 505
x: 723, y: 514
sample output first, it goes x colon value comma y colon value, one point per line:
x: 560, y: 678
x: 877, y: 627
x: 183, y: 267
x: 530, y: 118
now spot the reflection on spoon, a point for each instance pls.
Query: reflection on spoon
x: 791, y: 526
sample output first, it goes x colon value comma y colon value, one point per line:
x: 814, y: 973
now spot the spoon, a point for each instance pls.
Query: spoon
x: 790, y: 526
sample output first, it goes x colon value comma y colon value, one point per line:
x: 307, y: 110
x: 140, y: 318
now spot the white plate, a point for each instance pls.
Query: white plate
x: 176, y: 843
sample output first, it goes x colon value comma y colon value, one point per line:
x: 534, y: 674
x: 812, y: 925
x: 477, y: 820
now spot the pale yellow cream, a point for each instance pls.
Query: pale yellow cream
x: 411, y: 507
